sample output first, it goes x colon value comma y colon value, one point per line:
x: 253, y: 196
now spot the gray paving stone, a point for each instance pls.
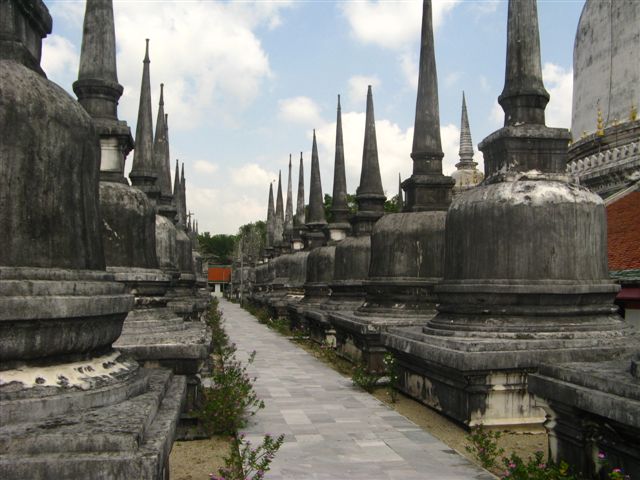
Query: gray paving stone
x: 332, y: 430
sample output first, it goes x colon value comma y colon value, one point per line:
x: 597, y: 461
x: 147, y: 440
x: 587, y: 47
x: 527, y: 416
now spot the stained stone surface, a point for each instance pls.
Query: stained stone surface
x: 332, y: 429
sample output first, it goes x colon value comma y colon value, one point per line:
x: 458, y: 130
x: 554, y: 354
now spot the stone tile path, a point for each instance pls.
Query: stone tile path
x: 332, y: 429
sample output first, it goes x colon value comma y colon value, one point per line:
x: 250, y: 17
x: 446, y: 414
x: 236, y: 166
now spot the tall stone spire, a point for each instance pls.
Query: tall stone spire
x: 279, y: 219
x: 369, y: 195
x: 316, y: 202
x: 288, y: 213
x: 97, y: 86
x: 339, y: 208
x: 98, y: 90
x: 508, y: 152
x: 183, y: 195
x: 177, y: 198
x: 161, y: 149
x: 524, y: 97
x: 271, y: 214
x: 316, y: 221
x: 427, y: 188
x: 400, y: 201
x: 466, y: 145
x: 142, y: 173
x: 300, y: 214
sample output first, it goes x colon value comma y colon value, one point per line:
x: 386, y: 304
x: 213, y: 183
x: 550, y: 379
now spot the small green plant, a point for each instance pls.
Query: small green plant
x: 362, y: 378
x: 231, y: 398
x: 247, y: 463
x: 280, y: 325
x: 484, y: 446
x: 391, y: 371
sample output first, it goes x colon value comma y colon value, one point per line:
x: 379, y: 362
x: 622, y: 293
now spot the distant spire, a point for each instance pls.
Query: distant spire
x: 97, y: 86
x: 466, y: 145
x: 177, y: 198
x: 524, y: 97
x: 183, y: 194
x: 288, y: 214
x: 279, y: 220
x: 271, y: 215
x: 369, y: 195
x: 142, y: 173
x: 300, y: 214
x: 161, y: 149
x: 400, y: 201
x: 166, y: 166
x: 427, y: 189
x: 370, y: 181
x: 339, y: 207
x: 316, y: 202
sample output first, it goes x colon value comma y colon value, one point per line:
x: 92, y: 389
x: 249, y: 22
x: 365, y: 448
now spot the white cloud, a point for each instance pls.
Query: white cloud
x: 559, y: 84
x: 60, y: 58
x: 299, y: 110
x: 203, y: 166
x: 391, y: 24
x: 207, y: 77
x: 451, y: 78
x: 450, y: 138
x: 409, y: 66
x: 496, y: 117
x: 358, y: 84
x: 252, y: 175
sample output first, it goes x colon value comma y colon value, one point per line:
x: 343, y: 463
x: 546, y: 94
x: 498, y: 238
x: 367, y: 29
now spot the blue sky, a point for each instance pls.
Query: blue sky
x: 246, y: 82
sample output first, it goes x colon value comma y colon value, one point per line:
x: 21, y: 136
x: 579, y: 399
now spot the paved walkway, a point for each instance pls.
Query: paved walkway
x: 332, y: 429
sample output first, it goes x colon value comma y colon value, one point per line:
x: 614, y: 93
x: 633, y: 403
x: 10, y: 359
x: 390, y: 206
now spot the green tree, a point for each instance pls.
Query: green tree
x: 218, y: 246
x: 391, y: 205
x: 251, y: 240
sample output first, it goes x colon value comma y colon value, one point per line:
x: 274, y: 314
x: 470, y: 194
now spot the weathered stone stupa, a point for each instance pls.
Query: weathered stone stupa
x: 407, y: 249
x: 467, y: 175
x: 317, y: 321
x: 320, y: 259
x: 70, y: 405
x: 152, y: 333
x: 262, y: 272
x: 299, y: 217
x: 526, y: 275
x: 353, y: 255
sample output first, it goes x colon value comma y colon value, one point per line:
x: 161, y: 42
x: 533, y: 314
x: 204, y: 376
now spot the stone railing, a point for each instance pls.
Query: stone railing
x: 618, y: 156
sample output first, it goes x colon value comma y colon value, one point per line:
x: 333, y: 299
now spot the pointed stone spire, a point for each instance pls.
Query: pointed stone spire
x: 369, y: 195
x: 316, y: 221
x: 142, y: 173
x: 97, y: 86
x: 288, y: 213
x: 427, y: 188
x: 166, y: 204
x: 183, y: 195
x: 300, y: 214
x: 271, y: 214
x: 316, y: 201
x: 524, y: 97
x: 339, y: 208
x: 98, y: 90
x: 161, y: 149
x: 517, y: 147
x: 466, y: 145
x: 400, y: 201
x: 177, y: 198
x: 279, y: 219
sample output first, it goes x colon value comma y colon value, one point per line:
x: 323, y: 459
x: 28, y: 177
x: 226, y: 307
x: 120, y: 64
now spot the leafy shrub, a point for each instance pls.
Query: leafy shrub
x: 363, y: 379
x: 247, y: 463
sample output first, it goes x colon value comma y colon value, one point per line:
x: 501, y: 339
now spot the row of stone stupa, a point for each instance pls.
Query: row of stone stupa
x: 497, y: 304
x: 90, y: 263
x: 283, y: 226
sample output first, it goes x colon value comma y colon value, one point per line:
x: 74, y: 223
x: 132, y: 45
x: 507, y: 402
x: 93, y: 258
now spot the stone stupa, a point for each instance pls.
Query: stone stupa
x: 526, y: 277
x: 70, y: 405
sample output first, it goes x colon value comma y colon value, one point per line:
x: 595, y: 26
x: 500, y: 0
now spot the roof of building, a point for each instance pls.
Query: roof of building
x: 219, y: 274
x: 623, y: 224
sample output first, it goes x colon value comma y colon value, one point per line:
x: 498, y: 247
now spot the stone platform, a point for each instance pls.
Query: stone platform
x: 332, y: 429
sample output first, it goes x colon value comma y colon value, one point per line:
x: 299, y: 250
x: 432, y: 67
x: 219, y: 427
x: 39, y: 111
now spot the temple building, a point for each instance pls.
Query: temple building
x: 466, y: 175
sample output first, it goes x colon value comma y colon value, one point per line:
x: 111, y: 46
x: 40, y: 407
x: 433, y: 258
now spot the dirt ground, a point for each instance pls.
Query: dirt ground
x: 196, y: 459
